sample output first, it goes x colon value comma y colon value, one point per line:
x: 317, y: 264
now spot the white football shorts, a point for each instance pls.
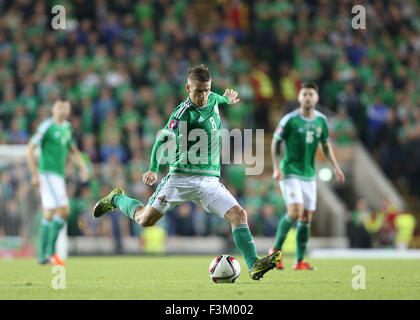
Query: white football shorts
x: 299, y: 191
x: 205, y: 191
x: 53, y: 191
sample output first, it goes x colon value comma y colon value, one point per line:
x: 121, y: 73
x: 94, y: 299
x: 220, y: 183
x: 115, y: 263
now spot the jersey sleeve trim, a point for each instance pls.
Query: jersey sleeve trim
x: 42, y: 129
x: 287, y: 117
x: 280, y: 127
x: 182, y: 109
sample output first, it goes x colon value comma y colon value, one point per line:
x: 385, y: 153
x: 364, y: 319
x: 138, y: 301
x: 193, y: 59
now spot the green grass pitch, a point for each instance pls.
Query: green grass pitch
x: 187, y: 277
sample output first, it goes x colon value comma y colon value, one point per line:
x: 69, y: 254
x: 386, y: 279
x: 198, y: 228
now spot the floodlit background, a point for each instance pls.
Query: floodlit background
x: 123, y: 65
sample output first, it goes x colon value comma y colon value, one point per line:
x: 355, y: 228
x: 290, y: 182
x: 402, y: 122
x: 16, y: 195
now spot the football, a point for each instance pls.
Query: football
x: 224, y: 269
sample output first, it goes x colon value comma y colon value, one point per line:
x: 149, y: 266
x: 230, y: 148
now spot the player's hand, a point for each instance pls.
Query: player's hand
x: 35, y: 180
x: 232, y: 95
x: 84, y: 174
x: 339, y: 175
x: 149, y: 177
x: 277, y: 174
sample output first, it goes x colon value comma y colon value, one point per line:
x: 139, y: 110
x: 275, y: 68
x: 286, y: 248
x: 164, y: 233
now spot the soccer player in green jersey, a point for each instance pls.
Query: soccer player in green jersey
x: 194, y: 171
x: 301, y: 130
x: 54, y: 137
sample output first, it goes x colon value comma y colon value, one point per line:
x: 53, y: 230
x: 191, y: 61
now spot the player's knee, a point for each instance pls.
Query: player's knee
x: 295, y: 211
x: 63, y: 212
x: 144, y: 219
x: 48, y: 215
x: 147, y: 222
x: 305, y: 217
x: 238, y: 216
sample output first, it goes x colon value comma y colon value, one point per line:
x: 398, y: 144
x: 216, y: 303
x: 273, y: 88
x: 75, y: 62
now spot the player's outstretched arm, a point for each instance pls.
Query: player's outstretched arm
x: 150, y: 177
x: 330, y: 156
x: 81, y: 164
x: 30, y: 156
x: 276, y: 157
x: 232, y: 96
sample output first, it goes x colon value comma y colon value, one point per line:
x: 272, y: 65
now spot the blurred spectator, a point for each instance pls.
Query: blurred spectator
x: 357, y: 227
x: 183, y: 219
x: 349, y: 99
x: 377, y: 116
x: 12, y: 220
x: 387, y: 233
x: 153, y: 240
x: 269, y: 220
x: 373, y: 224
x: 332, y: 87
x: 356, y: 51
x: 308, y: 65
x: 112, y: 147
x: 390, y: 150
x: 342, y: 128
x: 289, y: 82
x: 405, y: 224
x: 264, y: 91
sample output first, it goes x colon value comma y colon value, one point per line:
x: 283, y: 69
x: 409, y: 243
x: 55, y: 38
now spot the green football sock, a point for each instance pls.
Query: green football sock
x: 43, y: 237
x: 128, y: 206
x: 282, y: 230
x: 302, y: 237
x: 56, y: 225
x: 245, y: 243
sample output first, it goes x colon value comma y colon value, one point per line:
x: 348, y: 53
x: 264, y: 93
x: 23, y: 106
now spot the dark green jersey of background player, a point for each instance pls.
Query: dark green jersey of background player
x: 55, y: 140
x: 196, y: 135
x: 301, y: 136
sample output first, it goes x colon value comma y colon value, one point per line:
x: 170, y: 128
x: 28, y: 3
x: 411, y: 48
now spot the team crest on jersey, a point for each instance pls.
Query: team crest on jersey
x: 162, y: 200
x: 319, y: 129
x: 173, y: 125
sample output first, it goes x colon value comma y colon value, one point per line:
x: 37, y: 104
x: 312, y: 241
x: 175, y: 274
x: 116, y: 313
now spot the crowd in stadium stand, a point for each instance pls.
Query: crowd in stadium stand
x: 123, y: 66
x: 370, y: 75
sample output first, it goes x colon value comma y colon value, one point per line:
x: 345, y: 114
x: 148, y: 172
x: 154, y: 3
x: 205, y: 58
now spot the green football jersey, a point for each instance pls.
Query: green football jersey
x: 196, y: 133
x: 54, y: 141
x: 301, y: 136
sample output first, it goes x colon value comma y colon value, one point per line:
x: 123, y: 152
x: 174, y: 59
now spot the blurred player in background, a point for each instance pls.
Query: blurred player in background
x: 193, y: 181
x: 301, y: 130
x: 54, y: 137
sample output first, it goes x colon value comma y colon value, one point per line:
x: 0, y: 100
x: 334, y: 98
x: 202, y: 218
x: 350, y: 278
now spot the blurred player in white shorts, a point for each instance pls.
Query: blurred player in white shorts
x: 54, y: 137
x: 301, y: 130
x: 299, y: 191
